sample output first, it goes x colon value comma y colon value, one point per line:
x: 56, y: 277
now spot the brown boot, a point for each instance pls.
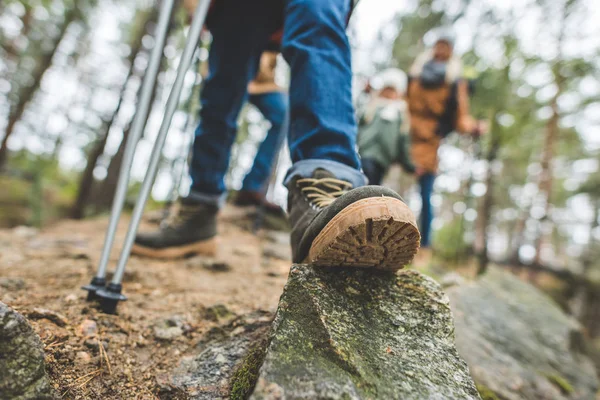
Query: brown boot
x: 245, y: 198
x: 335, y: 226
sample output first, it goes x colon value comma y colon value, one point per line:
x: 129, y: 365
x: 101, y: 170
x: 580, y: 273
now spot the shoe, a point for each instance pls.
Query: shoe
x: 334, y: 225
x: 191, y: 230
x: 245, y: 198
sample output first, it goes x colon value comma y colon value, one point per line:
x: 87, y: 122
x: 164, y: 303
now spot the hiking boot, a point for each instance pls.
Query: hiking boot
x: 245, y: 198
x: 190, y: 230
x: 335, y: 225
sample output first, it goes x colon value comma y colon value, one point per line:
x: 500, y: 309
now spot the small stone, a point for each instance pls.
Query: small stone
x: 71, y: 298
x: 24, y: 232
x: 278, y: 237
x: 277, y: 251
x: 83, y: 357
x: 220, y: 359
x: 452, y: 279
x: 88, y: 328
x: 12, y: 284
x: 208, y: 263
x: 42, y: 313
x: 170, y: 328
x: 217, y: 313
x: 94, y: 344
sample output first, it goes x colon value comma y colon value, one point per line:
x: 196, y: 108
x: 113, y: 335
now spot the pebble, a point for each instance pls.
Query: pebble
x: 82, y: 357
x: 88, y: 328
x: 71, y: 298
x: 12, y: 284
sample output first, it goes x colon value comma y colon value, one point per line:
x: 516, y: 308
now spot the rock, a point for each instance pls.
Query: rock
x: 88, y: 328
x: 218, y: 313
x: 277, y: 251
x: 451, y: 279
x: 94, y: 344
x: 40, y: 313
x: 278, y: 237
x: 22, y: 367
x: 25, y: 232
x: 222, y: 358
x: 12, y: 284
x: 518, y: 343
x: 170, y: 328
x: 361, y: 334
x: 71, y: 298
x: 82, y: 358
x: 208, y: 264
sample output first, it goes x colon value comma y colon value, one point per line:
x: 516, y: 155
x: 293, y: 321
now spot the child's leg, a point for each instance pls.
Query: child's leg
x: 240, y: 32
x: 273, y: 107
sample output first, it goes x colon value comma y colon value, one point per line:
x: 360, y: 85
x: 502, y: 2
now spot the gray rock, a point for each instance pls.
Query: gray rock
x: 518, y: 343
x: 277, y: 251
x: 170, y: 328
x: 220, y: 370
x: 357, y: 334
x: 12, y: 284
x: 22, y: 368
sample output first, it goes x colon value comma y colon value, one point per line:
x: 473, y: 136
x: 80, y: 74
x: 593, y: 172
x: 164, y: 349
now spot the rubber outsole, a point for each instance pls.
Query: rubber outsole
x: 377, y: 232
x: 205, y: 247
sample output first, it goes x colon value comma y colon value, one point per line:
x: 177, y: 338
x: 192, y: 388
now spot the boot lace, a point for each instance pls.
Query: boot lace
x: 322, y: 192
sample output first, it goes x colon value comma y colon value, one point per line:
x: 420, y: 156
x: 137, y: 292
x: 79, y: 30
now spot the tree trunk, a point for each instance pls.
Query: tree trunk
x: 28, y: 92
x: 481, y: 239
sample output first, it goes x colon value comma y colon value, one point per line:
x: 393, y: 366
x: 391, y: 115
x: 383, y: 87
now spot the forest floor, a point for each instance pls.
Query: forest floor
x: 171, y: 304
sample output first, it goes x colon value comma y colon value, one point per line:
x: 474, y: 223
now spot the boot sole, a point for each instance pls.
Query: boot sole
x: 377, y: 232
x: 205, y: 247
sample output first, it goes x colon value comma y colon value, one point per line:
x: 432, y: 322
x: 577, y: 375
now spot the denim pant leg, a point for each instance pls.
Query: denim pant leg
x: 426, y: 184
x: 273, y: 107
x: 323, y: 125
x: 240, y: 31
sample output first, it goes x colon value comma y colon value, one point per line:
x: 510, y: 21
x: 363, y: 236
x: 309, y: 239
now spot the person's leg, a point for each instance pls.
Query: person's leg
x: 273, y: 107
x: 426, y: 183
x: 332, y: 225
x: 323, y: 122
x: 240, y: 31
x: 373, y: 171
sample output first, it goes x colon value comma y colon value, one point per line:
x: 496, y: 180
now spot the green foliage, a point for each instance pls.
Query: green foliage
x: 449, y: 243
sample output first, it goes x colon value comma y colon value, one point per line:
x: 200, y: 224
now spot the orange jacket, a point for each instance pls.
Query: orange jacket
x: 426, y: 107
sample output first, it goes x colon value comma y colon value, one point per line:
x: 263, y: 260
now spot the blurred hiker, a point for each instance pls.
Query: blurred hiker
x: 384, y: 128
x: 438, y: 103
x: 336, y: 219
x: 271, y: 101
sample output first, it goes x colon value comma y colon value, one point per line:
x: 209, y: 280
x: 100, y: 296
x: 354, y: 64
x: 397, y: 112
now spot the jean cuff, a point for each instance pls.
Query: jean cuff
x: 217, y: 200
x: 305, y: 169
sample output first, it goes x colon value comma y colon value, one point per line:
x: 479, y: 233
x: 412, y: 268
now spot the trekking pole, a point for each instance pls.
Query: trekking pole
x: 111, y: 295
x: 137, y: 127
x: 268, y: 185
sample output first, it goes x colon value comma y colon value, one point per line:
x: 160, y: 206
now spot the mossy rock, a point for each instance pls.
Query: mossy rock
x: 360, y: 334
x: 518, y: 343
x: 22, y: 367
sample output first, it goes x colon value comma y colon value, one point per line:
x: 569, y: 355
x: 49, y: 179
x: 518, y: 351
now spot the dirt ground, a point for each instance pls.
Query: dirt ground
x: 171, y: 305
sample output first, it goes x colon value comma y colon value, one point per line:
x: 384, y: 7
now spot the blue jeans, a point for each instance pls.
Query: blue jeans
x: 426, y: 184
x: 322, y: 126
x: 273, y: 106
